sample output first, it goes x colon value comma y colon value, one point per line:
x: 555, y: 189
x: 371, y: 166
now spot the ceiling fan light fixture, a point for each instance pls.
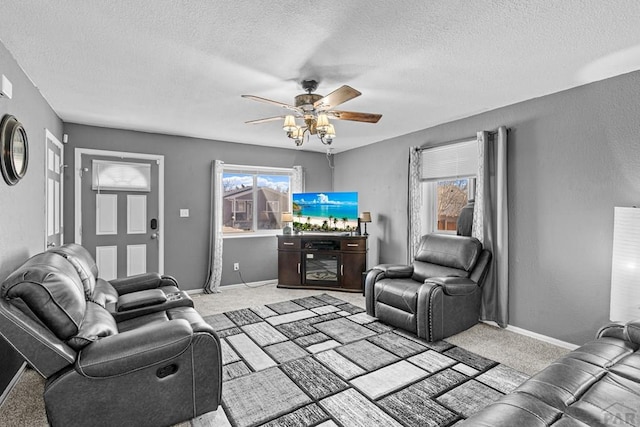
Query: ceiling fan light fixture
x: 314, y: 111
x: 298, y: 135
x: 289, y: 124
x: 331, y: 132
x: 326, y: 136
x: 323, y: 122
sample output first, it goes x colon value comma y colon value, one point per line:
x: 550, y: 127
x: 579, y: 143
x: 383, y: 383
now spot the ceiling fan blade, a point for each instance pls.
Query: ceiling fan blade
x: 353, y: 116
x: 337, y: 97
x: 269, y: 101
x: 268, y: 119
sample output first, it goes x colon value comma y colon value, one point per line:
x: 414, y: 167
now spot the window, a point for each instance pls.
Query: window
x: 109, y: 175
x: 273, y: 206
x: 451, y: 197
x: 448, y: 179
x: 254, y: 199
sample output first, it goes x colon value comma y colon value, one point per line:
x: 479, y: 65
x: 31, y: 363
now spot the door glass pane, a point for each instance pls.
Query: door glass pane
x: 108, y: 175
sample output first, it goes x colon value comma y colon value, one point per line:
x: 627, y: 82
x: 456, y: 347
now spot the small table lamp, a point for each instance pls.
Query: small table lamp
x: 286, y: 218
x: 365, y: 217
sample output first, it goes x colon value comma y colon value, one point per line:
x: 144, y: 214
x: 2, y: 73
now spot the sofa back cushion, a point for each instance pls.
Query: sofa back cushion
x: 84, y: 264
x: 441, y: 255
x: 50, y: 288
x: 97, y: 323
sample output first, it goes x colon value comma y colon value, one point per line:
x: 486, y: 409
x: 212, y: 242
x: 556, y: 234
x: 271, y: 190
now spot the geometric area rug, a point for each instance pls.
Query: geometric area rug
x: 319, y: 361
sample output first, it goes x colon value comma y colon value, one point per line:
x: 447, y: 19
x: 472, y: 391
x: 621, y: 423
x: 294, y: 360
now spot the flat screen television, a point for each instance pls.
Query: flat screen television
x: 325, y: 211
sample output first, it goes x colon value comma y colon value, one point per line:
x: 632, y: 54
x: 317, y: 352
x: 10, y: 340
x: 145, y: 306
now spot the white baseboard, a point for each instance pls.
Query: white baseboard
x: 13, y: 382
x: 525, y: 332
x: 236, y: 286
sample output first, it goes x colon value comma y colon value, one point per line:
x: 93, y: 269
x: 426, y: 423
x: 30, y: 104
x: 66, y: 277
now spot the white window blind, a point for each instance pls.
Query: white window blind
x: 459, y: 160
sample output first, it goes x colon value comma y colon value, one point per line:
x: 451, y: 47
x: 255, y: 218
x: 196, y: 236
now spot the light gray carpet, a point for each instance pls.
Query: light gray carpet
x: 348, y: 369
x: 24, y: 405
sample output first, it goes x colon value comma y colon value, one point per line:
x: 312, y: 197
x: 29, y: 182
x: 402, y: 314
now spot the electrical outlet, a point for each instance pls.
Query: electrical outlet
x: 236, y: 266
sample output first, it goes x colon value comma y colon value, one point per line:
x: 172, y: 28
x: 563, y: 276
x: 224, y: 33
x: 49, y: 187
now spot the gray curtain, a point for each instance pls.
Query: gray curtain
x: 214, y: 270
x: 415, y: 202
x: 491, y: 222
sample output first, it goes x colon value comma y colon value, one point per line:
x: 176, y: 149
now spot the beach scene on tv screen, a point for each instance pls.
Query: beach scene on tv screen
x: 325, y: 211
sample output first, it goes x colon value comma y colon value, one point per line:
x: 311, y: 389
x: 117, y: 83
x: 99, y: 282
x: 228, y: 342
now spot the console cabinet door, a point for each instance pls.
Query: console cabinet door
x: 289, y: 268
x: 353, y: 264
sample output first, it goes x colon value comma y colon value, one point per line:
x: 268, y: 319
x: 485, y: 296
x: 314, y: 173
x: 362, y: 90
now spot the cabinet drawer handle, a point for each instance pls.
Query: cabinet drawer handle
x: 287, y: 243
x: 353, y: 244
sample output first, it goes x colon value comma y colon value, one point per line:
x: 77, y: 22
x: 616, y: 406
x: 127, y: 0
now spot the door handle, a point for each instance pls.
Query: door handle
x: 50, y: 244
x: 155, y: 235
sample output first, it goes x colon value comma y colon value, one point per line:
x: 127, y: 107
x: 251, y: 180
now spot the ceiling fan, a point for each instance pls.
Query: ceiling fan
x: 315, y: 110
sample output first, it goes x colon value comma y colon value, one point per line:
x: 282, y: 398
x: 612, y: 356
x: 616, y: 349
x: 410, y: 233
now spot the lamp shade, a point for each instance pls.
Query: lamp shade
x: 365, y: 217
x: 331, y: 132
x: 287, y: 217
x: 323, y: 122
x: 625, y: 265
x: 289, y: 124
x: 298, y: 132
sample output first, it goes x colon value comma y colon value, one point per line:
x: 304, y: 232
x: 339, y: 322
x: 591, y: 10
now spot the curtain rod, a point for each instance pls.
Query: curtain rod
x: 455, y: 141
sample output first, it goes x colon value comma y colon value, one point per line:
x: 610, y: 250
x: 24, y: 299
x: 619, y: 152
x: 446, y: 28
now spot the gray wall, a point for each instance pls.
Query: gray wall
x: 22, y: 206
x: 572, y: 157
x: 188, y: 185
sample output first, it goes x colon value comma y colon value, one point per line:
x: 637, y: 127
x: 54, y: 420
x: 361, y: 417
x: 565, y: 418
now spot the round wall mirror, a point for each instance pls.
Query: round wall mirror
x: 15, y: 149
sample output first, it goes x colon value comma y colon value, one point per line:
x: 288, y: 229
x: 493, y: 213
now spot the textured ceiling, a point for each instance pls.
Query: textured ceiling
x: 179, y: 67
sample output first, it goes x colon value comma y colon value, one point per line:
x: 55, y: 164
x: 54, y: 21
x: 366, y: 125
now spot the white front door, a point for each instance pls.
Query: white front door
x: 120, y: 211
x: 54, y: 172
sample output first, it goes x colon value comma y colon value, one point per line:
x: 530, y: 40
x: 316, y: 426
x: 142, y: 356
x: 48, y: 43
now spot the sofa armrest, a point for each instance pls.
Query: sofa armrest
x: 454, y: 285
x: 395, y: 271
x: 379, y: 272
x: 629, y: 331
x: 140, y: 299
x: 136, y: 349
x: 141, y: 282
x: 615, y: 330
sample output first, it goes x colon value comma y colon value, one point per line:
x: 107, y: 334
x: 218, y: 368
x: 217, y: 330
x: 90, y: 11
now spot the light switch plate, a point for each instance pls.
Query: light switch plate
x: 184, y: 213
x: 6, y: 88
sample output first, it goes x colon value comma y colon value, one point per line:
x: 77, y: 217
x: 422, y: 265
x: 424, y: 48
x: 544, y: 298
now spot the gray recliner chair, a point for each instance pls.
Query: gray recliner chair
x: 438, y: 295
x: 155, y: 369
